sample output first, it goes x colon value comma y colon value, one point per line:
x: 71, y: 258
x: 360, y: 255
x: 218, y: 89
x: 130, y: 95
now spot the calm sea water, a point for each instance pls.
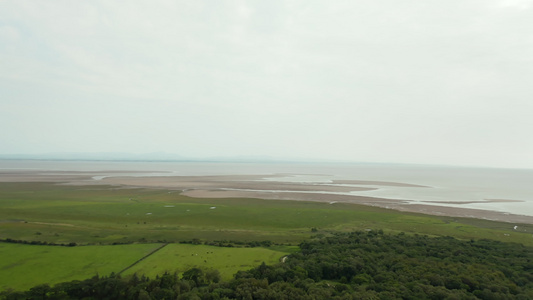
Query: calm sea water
x: 448, y: 184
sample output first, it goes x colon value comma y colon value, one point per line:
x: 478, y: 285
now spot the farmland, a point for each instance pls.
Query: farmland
x: 181, y: 257
x: 24, y: 266
x: 114, y: 227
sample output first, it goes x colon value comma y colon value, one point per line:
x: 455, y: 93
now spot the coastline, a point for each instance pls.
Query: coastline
x: 399, y: 205
x: 256, y: 186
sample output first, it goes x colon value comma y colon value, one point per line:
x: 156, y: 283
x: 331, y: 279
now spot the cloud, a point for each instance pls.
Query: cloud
x: 417, y: 81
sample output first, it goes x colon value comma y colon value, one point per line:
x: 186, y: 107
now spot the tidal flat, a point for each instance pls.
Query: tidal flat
x: 133, y: 213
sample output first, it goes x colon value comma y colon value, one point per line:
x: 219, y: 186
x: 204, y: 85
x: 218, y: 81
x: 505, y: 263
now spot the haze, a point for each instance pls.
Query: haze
x: 428, y: 82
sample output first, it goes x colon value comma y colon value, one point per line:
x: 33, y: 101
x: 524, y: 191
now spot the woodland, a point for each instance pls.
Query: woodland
x: 356, y: 265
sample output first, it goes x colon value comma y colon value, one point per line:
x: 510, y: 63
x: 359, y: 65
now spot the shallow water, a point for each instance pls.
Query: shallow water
x: 449, y: 184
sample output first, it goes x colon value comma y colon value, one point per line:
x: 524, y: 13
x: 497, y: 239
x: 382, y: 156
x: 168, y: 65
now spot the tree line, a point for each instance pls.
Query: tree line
x: 43, y: 243
x: 357, y: 265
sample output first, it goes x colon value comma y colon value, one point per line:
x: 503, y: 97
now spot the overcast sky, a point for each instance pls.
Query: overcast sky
x: 438, y: 82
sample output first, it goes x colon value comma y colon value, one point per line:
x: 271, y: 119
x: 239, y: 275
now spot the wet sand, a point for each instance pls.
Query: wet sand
x: 238, y: 182
x: 400, y: 205
x: 31, y: 176
x: 380, y: 183
x: 255, y: 186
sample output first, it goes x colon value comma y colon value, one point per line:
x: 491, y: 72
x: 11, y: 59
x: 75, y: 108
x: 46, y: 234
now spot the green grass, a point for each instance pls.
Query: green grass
x: 181, y: 257
x: 105, y: 215
x: 23, y: 266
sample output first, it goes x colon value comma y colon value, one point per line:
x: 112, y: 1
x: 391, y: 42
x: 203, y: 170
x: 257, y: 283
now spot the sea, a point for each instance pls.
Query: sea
x: 494, y: 189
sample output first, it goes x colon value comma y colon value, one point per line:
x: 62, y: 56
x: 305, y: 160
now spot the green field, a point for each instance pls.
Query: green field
x: 106, y: 215
x: 23, y: 266
x: 181, y: 257
x: 94, y: 216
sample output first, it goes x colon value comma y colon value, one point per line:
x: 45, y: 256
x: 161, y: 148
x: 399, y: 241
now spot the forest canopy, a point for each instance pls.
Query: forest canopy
x: 357, y: 265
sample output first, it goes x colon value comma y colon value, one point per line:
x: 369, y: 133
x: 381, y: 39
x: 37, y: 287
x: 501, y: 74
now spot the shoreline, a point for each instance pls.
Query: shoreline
x: 394, y: 204
x: 266, y: 187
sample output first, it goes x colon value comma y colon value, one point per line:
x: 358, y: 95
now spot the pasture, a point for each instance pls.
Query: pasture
x: 24, y: 266
x: 106, y: 215
x: 181, y: 257
x: 139, y: 220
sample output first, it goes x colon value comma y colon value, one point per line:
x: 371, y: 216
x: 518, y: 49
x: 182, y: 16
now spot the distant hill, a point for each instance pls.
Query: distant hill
x: 154, y: 156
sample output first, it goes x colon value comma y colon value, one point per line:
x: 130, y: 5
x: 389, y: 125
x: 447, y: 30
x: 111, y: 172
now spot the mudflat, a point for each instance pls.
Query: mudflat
x: 264, y: 187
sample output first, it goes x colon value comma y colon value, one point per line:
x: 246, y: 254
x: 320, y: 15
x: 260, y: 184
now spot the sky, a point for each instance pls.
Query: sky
x: 425, y: 82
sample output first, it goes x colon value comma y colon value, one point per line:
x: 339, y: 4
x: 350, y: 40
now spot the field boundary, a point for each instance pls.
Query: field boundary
x: 143, y: 258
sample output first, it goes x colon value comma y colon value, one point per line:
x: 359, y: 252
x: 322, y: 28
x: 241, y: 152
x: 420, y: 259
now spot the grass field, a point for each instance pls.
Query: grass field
x: 24, y: 266
x: 103, y: 215
x: 181, y: 257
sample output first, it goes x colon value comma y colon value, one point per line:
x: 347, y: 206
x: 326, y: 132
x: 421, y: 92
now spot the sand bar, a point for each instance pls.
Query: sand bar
x: 400, y: 205
x: 379, y: 183
x: 226, y: 182
x: 255, y: 186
